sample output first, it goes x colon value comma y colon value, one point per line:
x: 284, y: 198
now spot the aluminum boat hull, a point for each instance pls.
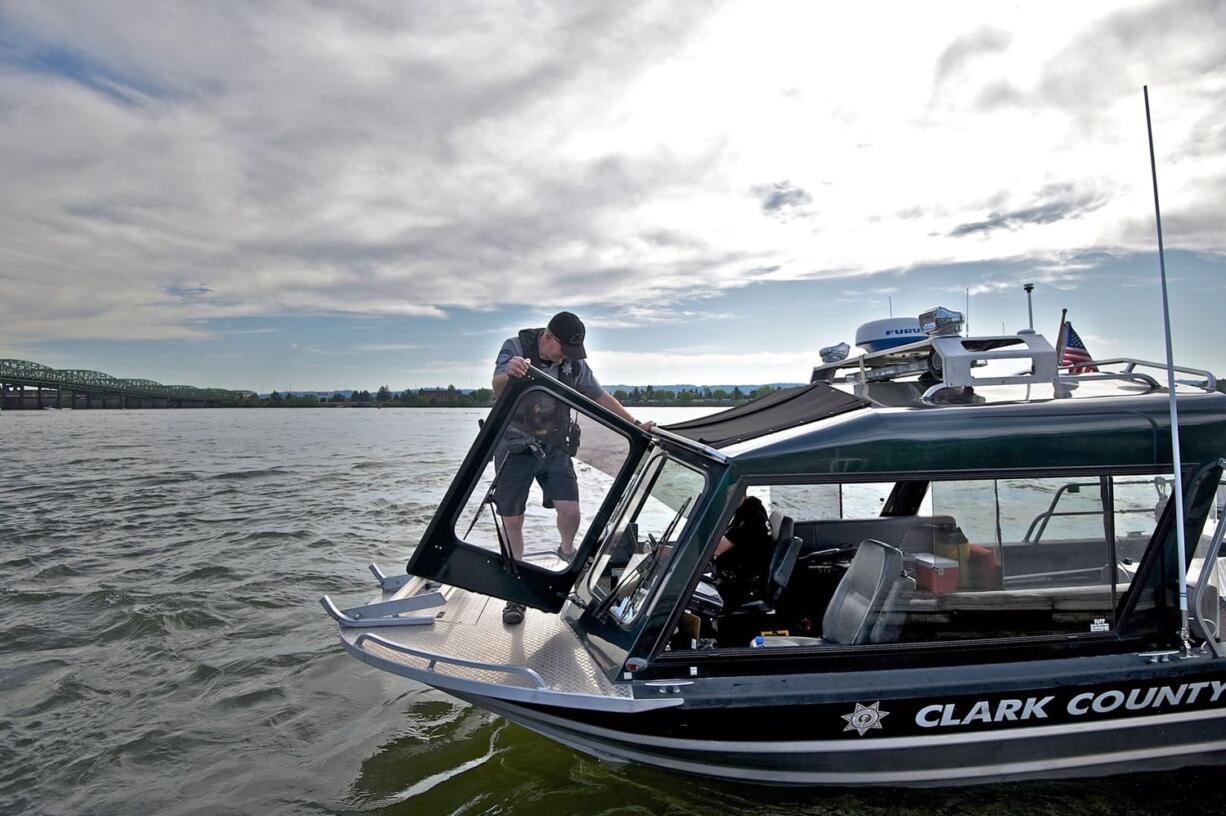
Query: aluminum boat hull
x: 1151, y: 742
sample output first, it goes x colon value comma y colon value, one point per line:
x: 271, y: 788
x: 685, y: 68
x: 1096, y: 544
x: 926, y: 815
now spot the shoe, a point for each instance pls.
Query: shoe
x: 564, y: 555
x: 513, y: 613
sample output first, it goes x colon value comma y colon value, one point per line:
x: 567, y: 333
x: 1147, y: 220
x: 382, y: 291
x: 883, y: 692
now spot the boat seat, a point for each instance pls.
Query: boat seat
x: 868, y: 603
x: 783, y: 561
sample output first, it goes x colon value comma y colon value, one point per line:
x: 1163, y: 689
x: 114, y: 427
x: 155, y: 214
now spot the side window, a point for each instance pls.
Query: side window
x: 551, y: 471
x: 1139, y: 502
x: 981, y: 559
x: 854, y: 500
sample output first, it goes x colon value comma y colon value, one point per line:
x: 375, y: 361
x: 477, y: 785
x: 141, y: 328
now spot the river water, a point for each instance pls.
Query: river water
x: 162, y: 649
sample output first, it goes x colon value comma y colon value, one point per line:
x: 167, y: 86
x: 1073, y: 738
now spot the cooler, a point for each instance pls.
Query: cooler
x: 934, y: 574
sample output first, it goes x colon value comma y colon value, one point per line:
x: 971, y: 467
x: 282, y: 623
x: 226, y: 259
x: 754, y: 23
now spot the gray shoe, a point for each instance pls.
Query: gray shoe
x: 513, y: 613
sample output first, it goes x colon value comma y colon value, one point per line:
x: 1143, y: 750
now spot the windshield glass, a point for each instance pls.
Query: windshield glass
x: 643, y: 536
x: 551, y: 470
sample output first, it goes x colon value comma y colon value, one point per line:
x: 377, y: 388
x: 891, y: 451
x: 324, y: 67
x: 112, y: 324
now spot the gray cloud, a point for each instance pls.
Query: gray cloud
x: 782, y: 199
x: 964, y: 49
x: 304, y: 159
x: 998, y: 94
x: 1183, y: 37
x: 1053, y: 203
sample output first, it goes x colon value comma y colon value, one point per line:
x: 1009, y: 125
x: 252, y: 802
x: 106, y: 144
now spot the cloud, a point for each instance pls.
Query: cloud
x: 663, y: 366
x: 378, y: 159
x: 782, y: 198
x: 380, y: 347
x: 1054, y: 203
x: 630, y: 317
x: 964, y: 49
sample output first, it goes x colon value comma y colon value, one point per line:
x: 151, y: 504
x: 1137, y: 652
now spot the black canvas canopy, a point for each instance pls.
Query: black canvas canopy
x: 776, y: 411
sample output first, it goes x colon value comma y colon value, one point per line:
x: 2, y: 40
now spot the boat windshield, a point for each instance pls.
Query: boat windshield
x: 642, y: 537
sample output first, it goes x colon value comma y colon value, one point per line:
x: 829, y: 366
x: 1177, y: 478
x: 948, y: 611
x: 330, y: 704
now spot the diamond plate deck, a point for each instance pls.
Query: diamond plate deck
x: 470, y: 627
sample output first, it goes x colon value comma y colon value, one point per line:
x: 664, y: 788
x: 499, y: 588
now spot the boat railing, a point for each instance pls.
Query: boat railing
x: 385, y: 613
x: 1131, y: 364
x: 433, y: 658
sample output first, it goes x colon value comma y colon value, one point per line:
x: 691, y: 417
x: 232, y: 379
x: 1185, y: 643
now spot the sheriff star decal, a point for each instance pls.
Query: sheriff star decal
x: 864, y: 718
x: 566, y: 368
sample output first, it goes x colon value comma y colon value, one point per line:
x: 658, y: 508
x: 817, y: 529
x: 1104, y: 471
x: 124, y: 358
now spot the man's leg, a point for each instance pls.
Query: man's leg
x: 568, y: 524
x: 513, y: 526
x: 515, y: 474
x: 561, y: 490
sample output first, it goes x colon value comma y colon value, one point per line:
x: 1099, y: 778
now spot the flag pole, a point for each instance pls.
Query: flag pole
x: 1170, y: 385
x: 1060, y: 338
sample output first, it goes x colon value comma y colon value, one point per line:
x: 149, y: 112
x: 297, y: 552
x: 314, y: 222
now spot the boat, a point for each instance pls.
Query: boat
x: 973, y: 577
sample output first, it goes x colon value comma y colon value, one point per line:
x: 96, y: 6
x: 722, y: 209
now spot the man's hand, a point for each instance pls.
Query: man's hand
x: 646, y: 426
x: 517, y: 366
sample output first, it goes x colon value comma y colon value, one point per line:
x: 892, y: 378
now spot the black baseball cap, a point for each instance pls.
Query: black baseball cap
x: 569, y: 331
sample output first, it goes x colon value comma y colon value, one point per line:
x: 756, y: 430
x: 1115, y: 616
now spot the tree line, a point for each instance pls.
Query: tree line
x: 452, y: 397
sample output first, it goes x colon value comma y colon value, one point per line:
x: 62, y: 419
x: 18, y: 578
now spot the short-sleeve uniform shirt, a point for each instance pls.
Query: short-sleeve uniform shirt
x: 585, y: 380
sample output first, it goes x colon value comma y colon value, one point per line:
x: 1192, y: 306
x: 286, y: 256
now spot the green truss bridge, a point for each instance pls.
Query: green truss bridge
x: 27, y: 385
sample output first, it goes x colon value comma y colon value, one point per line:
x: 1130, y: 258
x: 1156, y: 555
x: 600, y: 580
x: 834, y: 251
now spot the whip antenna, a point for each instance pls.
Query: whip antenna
x: 1170, y: 386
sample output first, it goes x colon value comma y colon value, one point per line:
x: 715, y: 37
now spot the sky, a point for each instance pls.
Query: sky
x: 345, y: 194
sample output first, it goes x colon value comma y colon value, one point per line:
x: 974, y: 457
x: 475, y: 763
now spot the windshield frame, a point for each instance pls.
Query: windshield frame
x: 596, y: 600
x: 443, y: 556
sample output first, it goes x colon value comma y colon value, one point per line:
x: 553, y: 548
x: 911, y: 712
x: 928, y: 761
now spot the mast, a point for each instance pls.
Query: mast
x: 1170, y: 386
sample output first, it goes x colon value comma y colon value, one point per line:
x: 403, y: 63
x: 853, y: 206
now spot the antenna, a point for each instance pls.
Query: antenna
x: 1170, y: 387
x: 968, y: 311
x: 1029, y: 287
x: 891, y: 299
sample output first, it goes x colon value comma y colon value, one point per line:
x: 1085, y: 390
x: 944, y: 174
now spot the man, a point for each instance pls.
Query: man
x: 743, y: 554
x: 542, y: 437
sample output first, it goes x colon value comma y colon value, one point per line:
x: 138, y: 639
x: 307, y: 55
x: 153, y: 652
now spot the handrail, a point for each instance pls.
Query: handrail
x: 1050, y: 512
x: 352, y: 622
x: 1131, y: 364
x: 434, y: 657
x: 1101, y: 376
x: 390, y: 583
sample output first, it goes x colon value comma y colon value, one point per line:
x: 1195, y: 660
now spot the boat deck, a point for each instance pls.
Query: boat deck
x: 469, y: 627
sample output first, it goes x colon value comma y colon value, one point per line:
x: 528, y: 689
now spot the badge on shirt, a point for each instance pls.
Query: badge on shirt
x: 566, y: 368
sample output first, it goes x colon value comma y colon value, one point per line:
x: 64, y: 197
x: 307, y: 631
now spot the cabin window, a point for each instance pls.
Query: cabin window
x: 546, y: 442
x: 642, y: 536
x: 1207, y: 580
x: 856, y: 500
x: 974, y: 559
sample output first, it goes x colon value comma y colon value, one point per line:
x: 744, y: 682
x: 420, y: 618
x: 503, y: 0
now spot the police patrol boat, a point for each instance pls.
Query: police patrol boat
x: 974, y: 575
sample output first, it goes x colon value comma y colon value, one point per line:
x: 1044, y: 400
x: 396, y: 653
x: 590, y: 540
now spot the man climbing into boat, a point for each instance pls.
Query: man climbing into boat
x: 543, y: 437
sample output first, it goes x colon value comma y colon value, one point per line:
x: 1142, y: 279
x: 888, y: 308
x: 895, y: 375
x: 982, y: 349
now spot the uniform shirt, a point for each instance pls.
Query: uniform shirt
x: 741, y: 571
x: 585, y: 380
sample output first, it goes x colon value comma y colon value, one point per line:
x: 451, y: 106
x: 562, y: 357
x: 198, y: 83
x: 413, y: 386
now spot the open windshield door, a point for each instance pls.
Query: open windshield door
x: 537, y: 433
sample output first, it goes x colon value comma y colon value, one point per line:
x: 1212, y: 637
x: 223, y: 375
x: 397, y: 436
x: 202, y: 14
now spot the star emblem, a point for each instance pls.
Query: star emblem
x: 865, y: 717
x: 566, y: 368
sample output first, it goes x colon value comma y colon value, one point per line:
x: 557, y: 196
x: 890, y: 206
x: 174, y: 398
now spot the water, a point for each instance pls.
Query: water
x: 163, y: 650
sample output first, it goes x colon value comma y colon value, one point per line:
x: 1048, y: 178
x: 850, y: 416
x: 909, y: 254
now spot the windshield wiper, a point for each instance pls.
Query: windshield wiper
x: 668, y: 531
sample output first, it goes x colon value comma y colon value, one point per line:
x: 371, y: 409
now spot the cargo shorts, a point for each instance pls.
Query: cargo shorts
x: 551, y: 467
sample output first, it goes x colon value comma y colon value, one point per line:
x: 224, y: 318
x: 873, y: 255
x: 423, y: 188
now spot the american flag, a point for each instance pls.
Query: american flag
x: 1073, y: 351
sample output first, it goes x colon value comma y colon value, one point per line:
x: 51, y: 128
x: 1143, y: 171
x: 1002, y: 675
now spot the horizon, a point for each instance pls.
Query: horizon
x: 686, y: 180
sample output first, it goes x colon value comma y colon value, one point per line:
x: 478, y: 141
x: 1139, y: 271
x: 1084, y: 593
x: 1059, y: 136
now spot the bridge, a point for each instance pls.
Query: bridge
x: 27, y: 385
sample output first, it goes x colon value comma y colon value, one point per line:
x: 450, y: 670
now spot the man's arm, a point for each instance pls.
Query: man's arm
x: 609, y: 401
x: 509, y: 364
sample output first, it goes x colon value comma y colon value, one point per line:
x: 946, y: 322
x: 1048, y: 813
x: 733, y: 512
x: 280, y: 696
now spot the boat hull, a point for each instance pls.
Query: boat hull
x: 927, y: 745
